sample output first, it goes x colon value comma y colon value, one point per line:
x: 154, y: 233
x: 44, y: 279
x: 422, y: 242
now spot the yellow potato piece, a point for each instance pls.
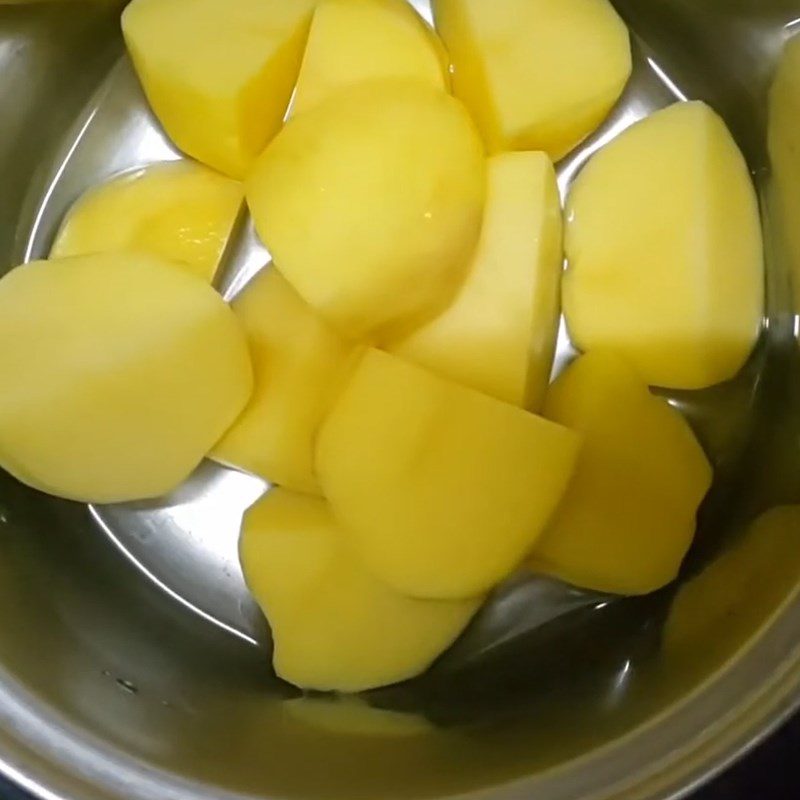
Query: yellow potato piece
x: 299, y: 365
x: 536, y: 74
x: 180, y: 210
x: 123, y: 372
x: 664, y: 250
x: 628, y: 516
x: 356, y: 40
x: 371, y: 203
x: 498, y: 335
x: 442, y: 490
x: 218, y: 75
x: 334, y: 625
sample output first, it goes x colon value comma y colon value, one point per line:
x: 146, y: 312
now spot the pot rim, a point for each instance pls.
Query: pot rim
x: 665, y: 758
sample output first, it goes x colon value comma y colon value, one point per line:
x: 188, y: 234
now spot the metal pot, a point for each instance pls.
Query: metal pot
x: 115, y: 683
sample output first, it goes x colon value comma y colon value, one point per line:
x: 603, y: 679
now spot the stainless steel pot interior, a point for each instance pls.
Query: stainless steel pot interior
x: 132, y: 664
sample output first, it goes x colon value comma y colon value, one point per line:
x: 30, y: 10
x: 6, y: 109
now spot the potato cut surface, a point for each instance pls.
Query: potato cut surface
x: 218, y: 74
x: 498, y: 335
x: 441, y: 490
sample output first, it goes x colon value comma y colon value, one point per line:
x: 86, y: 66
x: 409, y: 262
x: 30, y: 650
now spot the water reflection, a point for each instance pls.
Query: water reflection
x: 352, y: 716
x: 188, y: 545
x: 116, y: 132
x: 582, y: 663
x: 735, y: 595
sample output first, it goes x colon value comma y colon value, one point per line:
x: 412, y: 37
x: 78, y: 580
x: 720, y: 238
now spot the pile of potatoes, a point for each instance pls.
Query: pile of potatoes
x: 389, y: 373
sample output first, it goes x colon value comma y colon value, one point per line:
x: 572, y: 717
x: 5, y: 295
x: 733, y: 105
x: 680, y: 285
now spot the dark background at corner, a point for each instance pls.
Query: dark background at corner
x: 770, y: 772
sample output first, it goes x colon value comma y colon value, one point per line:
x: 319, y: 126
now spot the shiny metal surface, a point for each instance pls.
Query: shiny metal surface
x: 133, y: 663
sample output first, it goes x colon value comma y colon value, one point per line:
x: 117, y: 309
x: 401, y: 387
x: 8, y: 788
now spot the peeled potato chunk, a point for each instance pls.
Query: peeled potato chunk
x: 182, y: 211
x: 628, y: 516
x: 664, y: 250
x: 123, y: 372
x: 536, y: 74
x: 335, y: 627
x: 218, y: 74
x: 498, y: 335
x: 441, y: 490
x: 351, y: 41
x: 371, y: 203
x: 299, y: 365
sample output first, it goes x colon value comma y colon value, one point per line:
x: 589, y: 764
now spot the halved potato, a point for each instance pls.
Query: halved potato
x: 628, y: 516
x: 336, y: 627
x: 122, y: 371
x: 371, y: 203
x: 352, y: 41
x: 218, y: 74
x: 440, y: 489
x: 665, y: 259
x: 536, y: 74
